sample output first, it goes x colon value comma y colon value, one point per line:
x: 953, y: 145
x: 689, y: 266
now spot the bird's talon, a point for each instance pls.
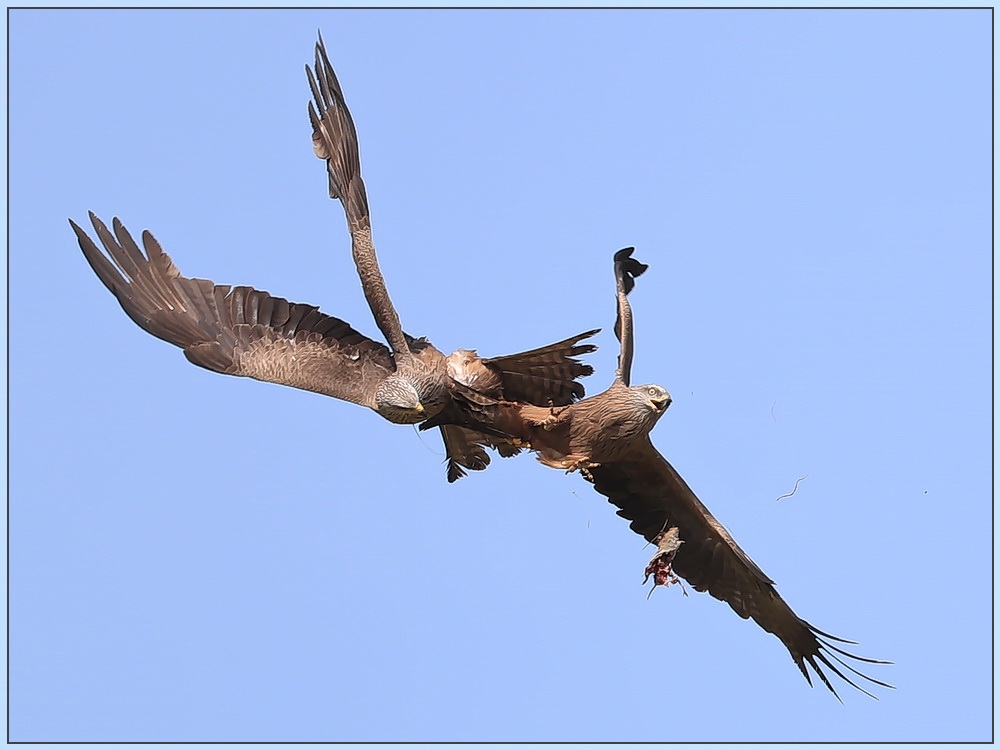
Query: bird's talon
x: 667, y: 544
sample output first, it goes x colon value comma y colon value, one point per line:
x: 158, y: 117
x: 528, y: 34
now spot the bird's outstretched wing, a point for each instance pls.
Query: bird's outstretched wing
x: 627, y: 269
x: 235, y: 330
x: 653, y: 496
x: 335, y: 140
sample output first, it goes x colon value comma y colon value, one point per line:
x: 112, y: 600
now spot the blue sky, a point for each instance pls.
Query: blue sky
x: 195, y: 557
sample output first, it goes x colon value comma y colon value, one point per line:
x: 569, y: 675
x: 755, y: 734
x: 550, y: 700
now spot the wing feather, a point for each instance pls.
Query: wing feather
x: 651, y: 494
x: 545, y: 376
x: 627, y: 269
x: 235, y: 330
x: 335, y: 140
x: 462, y: 451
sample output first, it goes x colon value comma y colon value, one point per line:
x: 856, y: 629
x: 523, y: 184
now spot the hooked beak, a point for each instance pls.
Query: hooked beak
x: 660, y: 403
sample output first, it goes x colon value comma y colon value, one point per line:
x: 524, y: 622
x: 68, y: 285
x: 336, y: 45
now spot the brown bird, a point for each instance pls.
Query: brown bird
x: 606, y: 438
x: 424, y: 383
x: 243, y: 331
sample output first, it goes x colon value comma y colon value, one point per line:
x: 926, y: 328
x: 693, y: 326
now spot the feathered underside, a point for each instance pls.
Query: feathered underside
x: 546, y: 376
x: 246, y: 332
x: 235, y: 330
x: 651, y: 494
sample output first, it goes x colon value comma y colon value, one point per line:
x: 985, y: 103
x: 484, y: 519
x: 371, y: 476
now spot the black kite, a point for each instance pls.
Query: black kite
x: 606, y: 438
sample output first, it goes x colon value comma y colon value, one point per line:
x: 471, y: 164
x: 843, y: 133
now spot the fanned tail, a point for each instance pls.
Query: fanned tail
x: 466, y: 449
x: 546, y: 376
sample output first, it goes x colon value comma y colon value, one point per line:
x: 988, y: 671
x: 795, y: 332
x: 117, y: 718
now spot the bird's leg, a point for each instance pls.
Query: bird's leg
x: 552, y: 419
x: 667, y: 544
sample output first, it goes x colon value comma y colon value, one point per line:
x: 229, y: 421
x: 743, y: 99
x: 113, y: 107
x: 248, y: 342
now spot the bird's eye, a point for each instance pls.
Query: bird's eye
x: 651, y: 391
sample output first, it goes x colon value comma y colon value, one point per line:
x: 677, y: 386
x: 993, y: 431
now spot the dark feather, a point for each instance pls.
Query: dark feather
x: 547, y: 375
x: 652, y: 495
x: 607, y: 437
x: 627, y: 269
x: 335, y: 140
x: 235, y: 330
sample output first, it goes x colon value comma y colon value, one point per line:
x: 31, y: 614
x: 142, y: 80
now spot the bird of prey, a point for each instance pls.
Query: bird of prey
x: 424, y: 383
x: 606, y: 438
x: 239, y: 330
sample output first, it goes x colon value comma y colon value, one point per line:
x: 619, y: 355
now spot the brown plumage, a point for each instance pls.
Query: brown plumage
x: 606, y: 437
x: 235, y: 330
x: 247, y: 332
x: 545, y: 376
x: 243, y: 331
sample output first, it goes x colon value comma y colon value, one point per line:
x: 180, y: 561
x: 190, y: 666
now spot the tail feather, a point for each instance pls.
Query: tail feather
x: 462, y: 453
x: 541, y: 377
x: 545, y: 376
x: 465, y: 449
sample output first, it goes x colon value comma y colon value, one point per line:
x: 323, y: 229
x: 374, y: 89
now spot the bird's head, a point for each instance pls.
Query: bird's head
x: 397, y: 400
x: 653, y: 398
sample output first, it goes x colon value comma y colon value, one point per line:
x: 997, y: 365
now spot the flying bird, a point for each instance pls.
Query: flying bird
x: 425, y: 383
x: 239, y: 330
x: 606, y: 438
x: 527, y: 400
